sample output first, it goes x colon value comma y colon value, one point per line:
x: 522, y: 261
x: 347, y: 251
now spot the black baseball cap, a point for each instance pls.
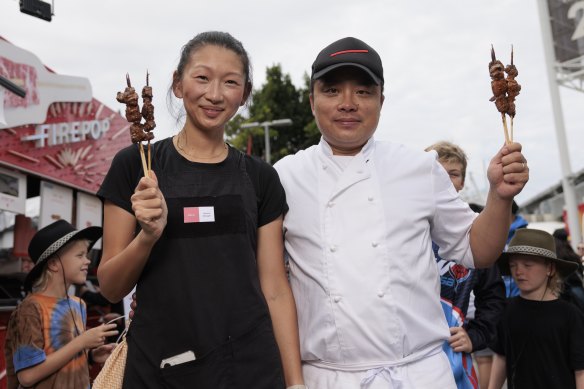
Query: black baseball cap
x: 348, y: 52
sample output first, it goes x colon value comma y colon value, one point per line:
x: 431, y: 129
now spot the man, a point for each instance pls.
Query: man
x: 359, y: 234
x: 456, y: 284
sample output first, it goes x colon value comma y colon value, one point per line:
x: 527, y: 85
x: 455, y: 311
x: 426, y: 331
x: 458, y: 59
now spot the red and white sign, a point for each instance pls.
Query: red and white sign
x: 58, y: 132
x: 42, y: 87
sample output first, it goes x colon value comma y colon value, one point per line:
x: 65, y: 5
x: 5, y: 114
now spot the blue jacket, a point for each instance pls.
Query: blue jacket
x: 456, y: 284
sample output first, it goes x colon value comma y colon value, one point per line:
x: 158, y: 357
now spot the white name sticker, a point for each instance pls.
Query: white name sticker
x: 199, y: 214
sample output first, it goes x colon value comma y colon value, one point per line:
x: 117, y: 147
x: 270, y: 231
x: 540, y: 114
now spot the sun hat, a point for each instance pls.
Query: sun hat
x: 48, y: 240
x: 348, y: 52
x: 536, y: 243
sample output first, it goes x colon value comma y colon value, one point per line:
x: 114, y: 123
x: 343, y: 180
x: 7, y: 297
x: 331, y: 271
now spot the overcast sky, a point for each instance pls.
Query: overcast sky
x: 435, y: 57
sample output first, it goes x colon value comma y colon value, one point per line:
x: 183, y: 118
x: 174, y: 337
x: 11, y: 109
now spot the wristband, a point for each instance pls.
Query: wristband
x: 297, y: 387
x: 90, y: 360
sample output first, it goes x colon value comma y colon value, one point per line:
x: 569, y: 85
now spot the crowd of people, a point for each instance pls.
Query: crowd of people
x: 384, y: 256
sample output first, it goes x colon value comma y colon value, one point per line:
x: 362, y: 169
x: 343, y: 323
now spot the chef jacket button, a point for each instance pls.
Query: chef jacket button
x: 370, y: 198
x: 333, y: 249
x: 331, y: 204
x: 324, y: 167
x: 337, y: 299
x: 374, y: 244
x: 380, y: 294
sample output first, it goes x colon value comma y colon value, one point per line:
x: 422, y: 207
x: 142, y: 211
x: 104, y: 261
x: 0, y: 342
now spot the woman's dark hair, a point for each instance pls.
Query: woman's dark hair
x: 215, y: 38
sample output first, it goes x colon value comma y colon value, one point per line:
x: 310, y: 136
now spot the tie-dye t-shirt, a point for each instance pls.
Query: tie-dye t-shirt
x: 40, y: 326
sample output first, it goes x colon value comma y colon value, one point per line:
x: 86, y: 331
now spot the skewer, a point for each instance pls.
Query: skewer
x: 133, y: 114
x: 504, y: 91
x: 143, y: 157
x: 140, y: 147
x: 513, y: 115
x: 507, y: 141
x: 150, y: 153
x: 149, y: 148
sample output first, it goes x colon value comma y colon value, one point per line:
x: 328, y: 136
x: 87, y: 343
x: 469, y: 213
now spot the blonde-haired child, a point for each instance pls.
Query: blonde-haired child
x: 46, y: 340
x: 539, y: 341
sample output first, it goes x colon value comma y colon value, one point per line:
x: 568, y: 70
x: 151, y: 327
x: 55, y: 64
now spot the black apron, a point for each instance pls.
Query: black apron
x: 200, y: 289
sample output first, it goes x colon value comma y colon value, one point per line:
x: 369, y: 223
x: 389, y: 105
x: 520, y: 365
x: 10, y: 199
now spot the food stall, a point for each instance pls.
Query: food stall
x: 56, y: 145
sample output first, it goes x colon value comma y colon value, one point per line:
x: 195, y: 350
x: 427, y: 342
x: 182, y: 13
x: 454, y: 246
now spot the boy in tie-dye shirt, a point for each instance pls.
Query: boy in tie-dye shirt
x: 47, y: 345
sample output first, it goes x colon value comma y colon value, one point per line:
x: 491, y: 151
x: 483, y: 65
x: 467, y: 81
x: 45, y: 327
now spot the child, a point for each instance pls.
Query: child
x: 46, y: 338
x: 456, y: 284
x: 539, y: 342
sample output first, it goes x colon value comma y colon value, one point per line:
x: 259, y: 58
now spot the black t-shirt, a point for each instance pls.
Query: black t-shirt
x: 543, y: 343
x: 200, y: 284
x: 126, y: 170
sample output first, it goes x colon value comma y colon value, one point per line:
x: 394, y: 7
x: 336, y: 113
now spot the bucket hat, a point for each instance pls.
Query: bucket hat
x: 48, y: 240
x: 536, y: 243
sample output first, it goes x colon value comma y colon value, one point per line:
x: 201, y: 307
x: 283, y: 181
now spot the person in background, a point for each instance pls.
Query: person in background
x: 539, y: 342
x: 517, y: 222
x: 201, y: 239
x: 456, y: 285
x: 358, y: 233
x: 47, y: 344
x: 26, y: 264
x: 580, y: 251
x: 572, y: 287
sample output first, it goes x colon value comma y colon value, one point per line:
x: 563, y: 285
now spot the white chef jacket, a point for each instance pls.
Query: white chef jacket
x: 359, y: 242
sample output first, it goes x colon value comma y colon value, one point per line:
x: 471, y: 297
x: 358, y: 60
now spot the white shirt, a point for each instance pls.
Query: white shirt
x: 359, y: 241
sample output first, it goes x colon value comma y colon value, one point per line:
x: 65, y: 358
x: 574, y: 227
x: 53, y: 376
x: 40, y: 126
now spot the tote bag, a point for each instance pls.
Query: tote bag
x: 111, y: 375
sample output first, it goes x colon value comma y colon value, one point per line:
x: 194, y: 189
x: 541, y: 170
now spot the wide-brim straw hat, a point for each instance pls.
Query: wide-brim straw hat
x: 48, y: 240
x: 536, y: 243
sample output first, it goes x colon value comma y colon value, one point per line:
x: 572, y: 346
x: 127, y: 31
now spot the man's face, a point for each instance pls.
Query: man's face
x: 454, y: 170
x: 346, y: 105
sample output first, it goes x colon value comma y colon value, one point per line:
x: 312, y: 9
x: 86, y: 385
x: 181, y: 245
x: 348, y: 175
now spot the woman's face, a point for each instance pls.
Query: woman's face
x: 212, y: 87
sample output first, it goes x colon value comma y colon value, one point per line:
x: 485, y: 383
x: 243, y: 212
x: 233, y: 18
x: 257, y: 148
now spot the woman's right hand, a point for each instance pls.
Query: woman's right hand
x: 149, y: 206
x: 95, y: 337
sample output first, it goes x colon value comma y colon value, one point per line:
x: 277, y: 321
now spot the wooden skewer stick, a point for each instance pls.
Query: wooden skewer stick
x: 512, y: 116
x: 507, y: 141
x: 150, y: 153
x: 143, y: 157
x: 149, y: 148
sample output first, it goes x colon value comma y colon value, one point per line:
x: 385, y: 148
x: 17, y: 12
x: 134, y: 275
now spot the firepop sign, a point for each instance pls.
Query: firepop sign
x: 58, y: 131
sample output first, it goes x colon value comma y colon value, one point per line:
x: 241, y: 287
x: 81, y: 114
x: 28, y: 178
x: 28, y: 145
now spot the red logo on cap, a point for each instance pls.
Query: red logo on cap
x: 348, y: 51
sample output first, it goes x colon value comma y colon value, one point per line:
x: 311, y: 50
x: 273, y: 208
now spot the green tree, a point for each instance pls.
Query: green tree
x: 278, y: 98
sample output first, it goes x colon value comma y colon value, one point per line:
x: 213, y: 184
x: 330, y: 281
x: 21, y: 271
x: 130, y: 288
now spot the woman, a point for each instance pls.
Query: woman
x: 207, y: 256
